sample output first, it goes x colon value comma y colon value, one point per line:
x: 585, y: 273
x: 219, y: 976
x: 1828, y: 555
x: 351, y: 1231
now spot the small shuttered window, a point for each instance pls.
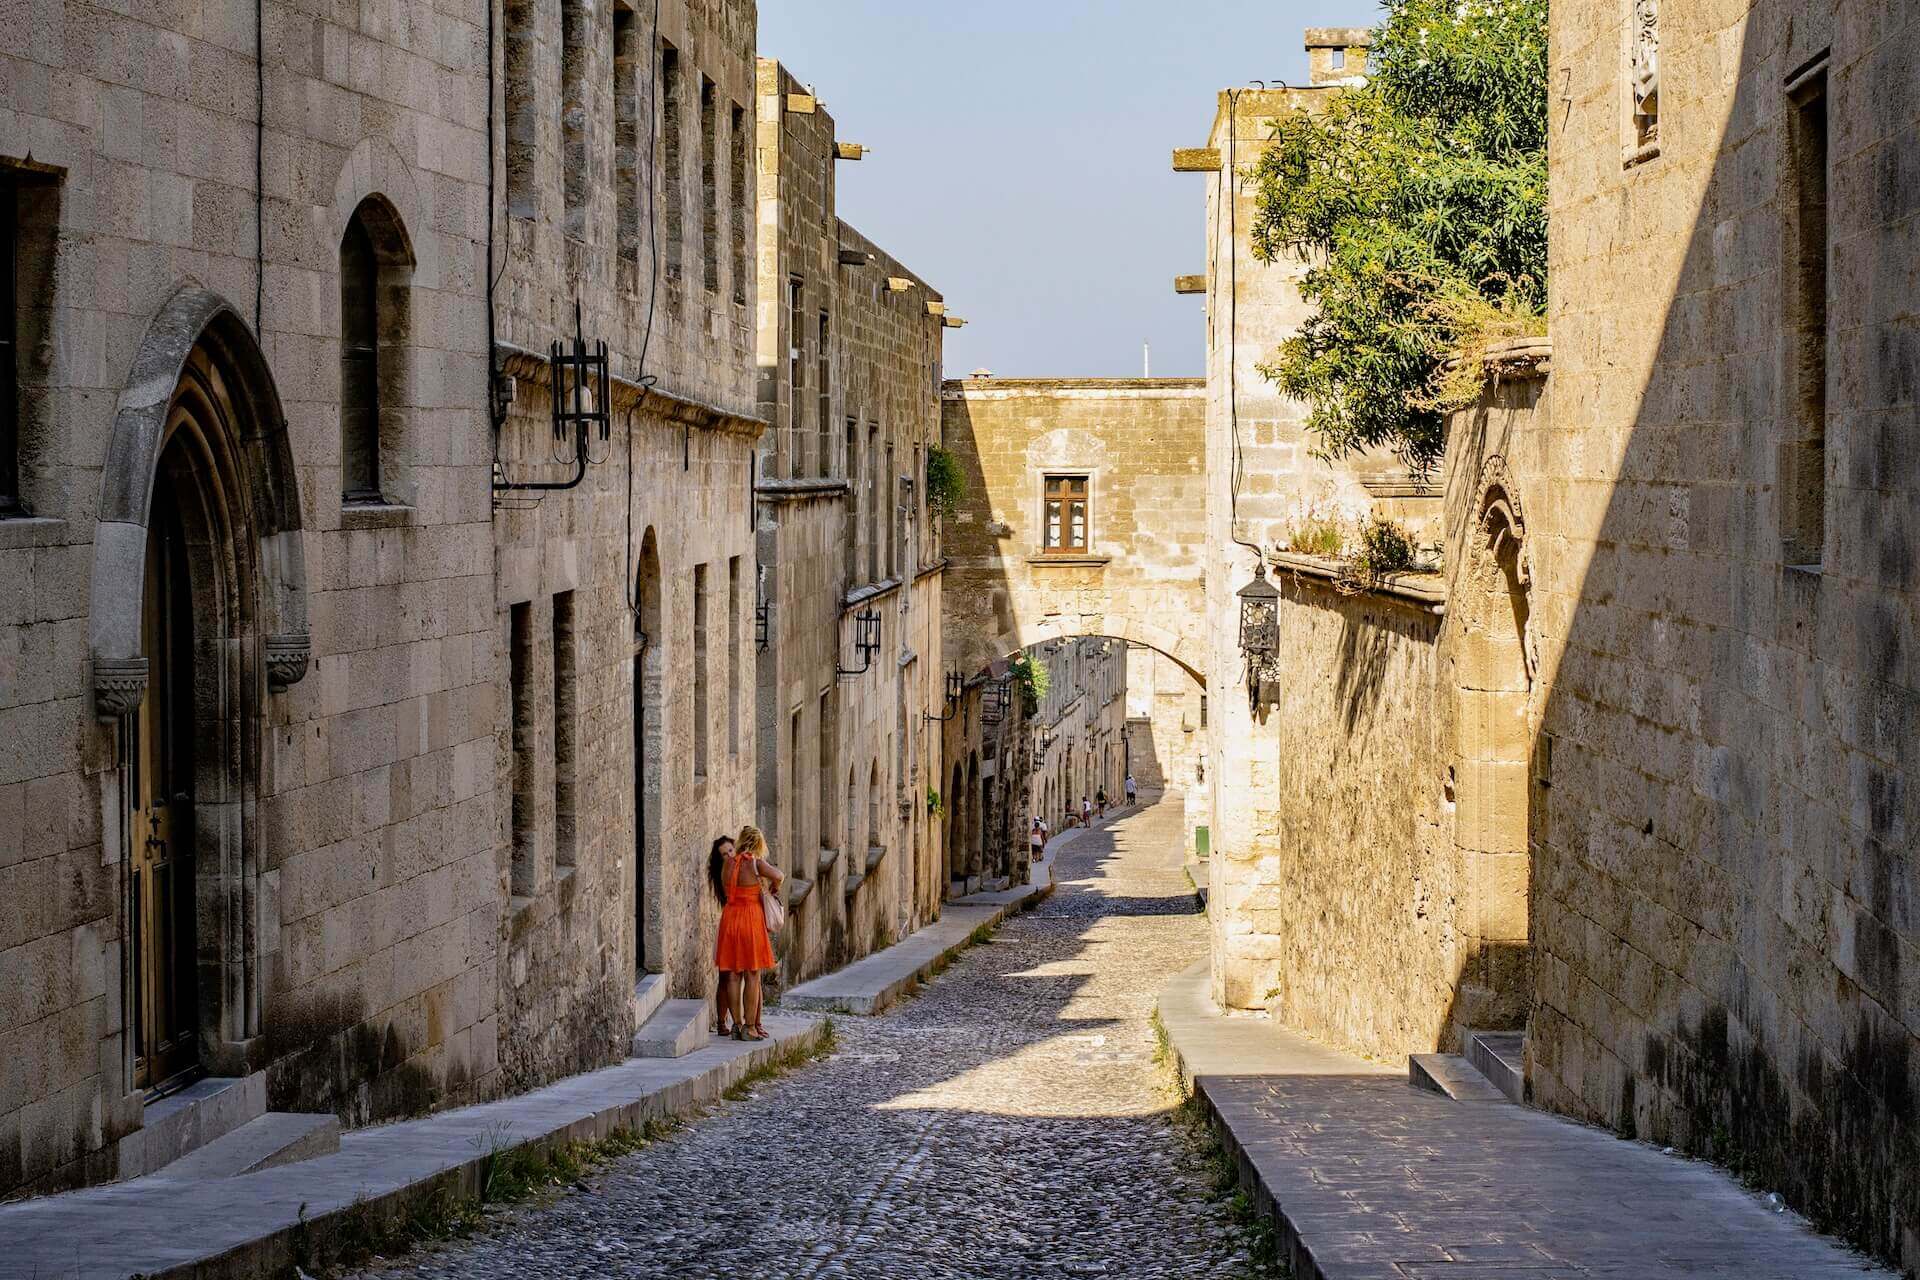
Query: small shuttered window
x: 1064, y: 518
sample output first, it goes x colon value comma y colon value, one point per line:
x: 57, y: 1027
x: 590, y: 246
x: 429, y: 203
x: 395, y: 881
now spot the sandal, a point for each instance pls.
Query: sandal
x: 756, y: 1033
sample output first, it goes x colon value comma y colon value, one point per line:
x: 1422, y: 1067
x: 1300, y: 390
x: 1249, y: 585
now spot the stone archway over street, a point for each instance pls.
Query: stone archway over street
x: 1084, y: 514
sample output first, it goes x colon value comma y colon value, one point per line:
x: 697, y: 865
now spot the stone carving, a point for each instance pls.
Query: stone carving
x: 287, y: 657
x: 118, y: 686
x: 1646, y: 69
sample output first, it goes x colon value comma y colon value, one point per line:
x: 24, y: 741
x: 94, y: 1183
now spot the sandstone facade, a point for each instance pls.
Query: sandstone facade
x: 1136, y: 446
x: 1722, y: 591
x: 850, y: 668
x: 1643, y: 788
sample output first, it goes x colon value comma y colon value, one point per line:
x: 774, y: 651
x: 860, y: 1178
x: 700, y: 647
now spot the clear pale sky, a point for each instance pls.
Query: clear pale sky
x: 1022, y: 156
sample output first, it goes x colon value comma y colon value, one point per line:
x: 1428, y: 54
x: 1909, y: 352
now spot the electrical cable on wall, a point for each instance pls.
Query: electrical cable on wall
x: 645, y: 379
x: 259, y: 163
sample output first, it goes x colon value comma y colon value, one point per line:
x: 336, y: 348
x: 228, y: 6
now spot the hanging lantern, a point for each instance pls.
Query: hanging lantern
x: 1260, y: 638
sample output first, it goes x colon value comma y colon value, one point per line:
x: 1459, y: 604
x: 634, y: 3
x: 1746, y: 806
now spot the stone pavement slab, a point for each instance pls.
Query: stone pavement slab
x: 1369, y: 1178
x: 247, y: 1226
x: 872, y: 983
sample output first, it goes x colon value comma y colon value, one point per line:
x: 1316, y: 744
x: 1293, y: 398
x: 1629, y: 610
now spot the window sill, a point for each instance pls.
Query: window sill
x: 1811, y: 572
x: 1634, y: 157
x: 375, y: 515
x: 1079, y: 561
x: 31, y: 531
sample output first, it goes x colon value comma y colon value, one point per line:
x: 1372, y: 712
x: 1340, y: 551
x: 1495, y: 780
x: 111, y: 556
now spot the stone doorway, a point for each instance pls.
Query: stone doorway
x: 1493, y: 678
x: 162, y: 887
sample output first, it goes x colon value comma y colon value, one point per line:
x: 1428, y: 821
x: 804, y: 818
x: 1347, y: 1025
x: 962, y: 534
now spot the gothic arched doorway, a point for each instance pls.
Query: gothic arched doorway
x: 198, y: 608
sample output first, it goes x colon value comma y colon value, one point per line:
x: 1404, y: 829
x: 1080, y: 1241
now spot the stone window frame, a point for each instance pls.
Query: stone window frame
x: 1090, y: 475
x: 520, y: 98
x: 31, y: 220
x: 1806, y: 363
x: 672, y: 125
x: 394, y: 262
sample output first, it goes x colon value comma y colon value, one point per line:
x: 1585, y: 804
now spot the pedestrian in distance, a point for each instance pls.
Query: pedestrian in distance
x: 1100, y: 801
x: 1086, y: 812
x: 743, y: 948
x: 1037, y: 838
x: 1133, y: 792
x: 717, y: 859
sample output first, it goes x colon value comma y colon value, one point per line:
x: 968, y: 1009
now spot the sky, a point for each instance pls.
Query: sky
x: 1022, y: 157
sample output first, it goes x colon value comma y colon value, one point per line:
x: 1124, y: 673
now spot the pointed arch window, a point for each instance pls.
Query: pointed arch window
x: 375, y: 266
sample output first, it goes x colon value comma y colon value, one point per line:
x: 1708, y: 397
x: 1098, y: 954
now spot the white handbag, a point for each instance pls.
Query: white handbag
x: 773, y: 909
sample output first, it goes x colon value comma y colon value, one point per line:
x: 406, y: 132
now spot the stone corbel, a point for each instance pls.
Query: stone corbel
x: 287, y: 658
x: 118, y: 686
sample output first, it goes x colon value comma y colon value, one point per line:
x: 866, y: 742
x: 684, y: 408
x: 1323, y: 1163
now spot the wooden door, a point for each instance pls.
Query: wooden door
x: 164, y: 1005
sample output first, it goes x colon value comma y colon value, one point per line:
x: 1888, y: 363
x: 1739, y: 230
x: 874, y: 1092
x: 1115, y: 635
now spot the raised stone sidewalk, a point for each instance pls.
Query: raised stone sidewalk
x: 159, y: 1226
x: 1369, y: 1178
x: 870, y: 984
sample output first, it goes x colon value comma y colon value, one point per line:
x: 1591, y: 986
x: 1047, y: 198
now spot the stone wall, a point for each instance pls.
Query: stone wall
x: 1723, y: 590
x: 849, y: 352
x: 1139, y: 444
x: 652, y: 553
x: 345, y: 829
x: 416, y: 886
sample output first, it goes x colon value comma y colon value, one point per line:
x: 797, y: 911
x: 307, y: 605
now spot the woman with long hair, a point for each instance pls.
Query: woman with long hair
x: 717, y: 877
x: 743, y: 948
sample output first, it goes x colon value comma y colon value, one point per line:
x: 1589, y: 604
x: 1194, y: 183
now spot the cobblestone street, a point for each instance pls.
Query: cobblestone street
x: 1009, y: 1121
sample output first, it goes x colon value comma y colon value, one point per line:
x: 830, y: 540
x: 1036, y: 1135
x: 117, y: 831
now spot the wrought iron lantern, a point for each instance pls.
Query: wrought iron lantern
x: 581, y: 387
x: 866, y: 639
x: 994, y: 702
x: 1260, y: 638
x: 956, y: 689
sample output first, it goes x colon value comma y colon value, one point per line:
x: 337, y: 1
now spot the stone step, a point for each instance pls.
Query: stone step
x: 680, y: 1027
x: 649, y: 993
x: 1500, y: 1056
x: 275, y: 1139
x: 1452, y: 1075
x: 183, y: 1122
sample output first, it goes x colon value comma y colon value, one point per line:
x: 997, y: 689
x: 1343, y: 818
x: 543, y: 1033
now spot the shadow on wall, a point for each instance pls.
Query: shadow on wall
x: 1725, y: 912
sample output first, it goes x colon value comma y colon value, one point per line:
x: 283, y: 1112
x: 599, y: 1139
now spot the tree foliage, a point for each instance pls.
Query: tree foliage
x: 1419, y: 198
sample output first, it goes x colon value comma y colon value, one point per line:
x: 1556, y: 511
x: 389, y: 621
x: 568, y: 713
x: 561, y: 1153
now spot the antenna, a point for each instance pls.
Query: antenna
x: 1146, y: 359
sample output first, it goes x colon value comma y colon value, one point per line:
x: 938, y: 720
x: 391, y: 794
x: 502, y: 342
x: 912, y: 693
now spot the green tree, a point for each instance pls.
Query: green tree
x: 1419, y: 199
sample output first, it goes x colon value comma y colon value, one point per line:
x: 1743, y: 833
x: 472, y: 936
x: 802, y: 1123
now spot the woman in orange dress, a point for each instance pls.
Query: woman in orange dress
x: 743, y: 949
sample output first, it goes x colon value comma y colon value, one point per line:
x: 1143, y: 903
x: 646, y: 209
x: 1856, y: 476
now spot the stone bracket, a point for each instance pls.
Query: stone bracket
x: 119, y: 684
x: 287, y: 659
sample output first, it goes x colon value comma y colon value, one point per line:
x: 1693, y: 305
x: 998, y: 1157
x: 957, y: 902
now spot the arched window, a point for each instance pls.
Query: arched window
x: 873, y: 805
x: 375, y: 264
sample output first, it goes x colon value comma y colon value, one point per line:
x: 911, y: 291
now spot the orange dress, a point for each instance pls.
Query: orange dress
x: 743, y: 946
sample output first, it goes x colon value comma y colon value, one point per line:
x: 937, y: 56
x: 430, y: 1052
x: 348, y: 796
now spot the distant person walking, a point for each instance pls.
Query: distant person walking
x: 1037, y: 838
x: 743, y: 948
x: 1133, y: 792
x: 1100, y: 800
x: 1086, y: 812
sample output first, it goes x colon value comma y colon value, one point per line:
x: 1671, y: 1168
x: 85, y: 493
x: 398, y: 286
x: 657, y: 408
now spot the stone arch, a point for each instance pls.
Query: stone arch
x: 375, y: 333
x: 973, y: 851
x: 1184, y: 651
x: 649, y: 743
x: 375, y: 170
x: 201, y: 436
x: 254, y: 463
x: 1493, y: 675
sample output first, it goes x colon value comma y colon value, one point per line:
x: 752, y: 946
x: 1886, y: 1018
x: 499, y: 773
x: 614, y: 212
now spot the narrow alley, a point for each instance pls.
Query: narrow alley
x: 1011, y: 1120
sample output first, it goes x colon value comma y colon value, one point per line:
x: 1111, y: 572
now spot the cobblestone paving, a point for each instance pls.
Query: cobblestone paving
x: 1010, y: 1121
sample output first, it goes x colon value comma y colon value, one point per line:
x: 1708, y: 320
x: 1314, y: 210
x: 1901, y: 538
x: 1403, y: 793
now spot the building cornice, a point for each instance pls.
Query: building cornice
x: 681, y: 410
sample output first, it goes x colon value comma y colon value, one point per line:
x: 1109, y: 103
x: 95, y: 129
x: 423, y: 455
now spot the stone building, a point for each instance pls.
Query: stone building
x: 1632, y: 775
x: 296, y: 696
x: 850, y: 659
x: 1084, y: 514
x: 1080, y: 728
x: 623, y: 573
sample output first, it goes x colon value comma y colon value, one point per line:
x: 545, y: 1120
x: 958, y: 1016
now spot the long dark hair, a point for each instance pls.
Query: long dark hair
x: 717, y: 867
